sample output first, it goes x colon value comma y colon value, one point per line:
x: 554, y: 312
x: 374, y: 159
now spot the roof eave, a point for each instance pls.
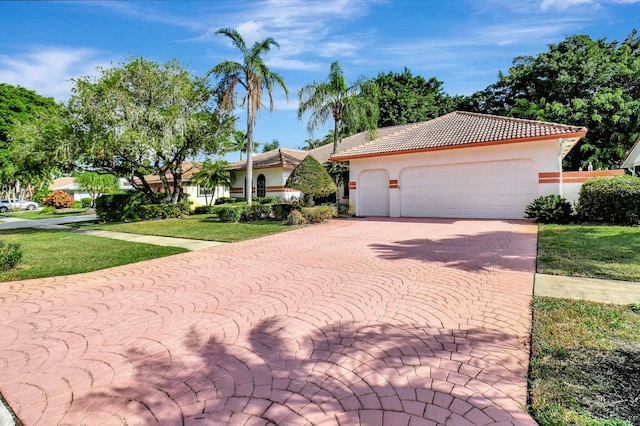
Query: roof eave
x: 628, y: 162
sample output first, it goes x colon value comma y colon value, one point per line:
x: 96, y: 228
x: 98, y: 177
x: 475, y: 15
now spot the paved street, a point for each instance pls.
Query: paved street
x: 398, y: 322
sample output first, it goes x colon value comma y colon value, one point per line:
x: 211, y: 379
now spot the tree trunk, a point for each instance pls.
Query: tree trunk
x: 335, y: 136
x: 249, y: 182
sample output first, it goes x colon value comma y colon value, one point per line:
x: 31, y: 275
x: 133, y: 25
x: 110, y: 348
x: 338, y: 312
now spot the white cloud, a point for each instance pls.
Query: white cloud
x: 562, y: 4
x: 48, y: 70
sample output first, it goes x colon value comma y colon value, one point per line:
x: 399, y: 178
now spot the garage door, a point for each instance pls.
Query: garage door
x: 373, y: 193
x: 498, y: 189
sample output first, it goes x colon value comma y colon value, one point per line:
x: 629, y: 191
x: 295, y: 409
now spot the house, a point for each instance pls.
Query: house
x: 271, y: 169
x: 459, y: 165
x: 198, y: 195
x: 70, y: 186
x: 632, y: 160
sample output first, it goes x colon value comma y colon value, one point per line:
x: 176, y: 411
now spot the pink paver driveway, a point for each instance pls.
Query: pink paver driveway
x: 395, y: 322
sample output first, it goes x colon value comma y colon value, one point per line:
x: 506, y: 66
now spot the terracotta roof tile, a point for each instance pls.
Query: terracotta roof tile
x: 459, y: 128
x: 281, y: 157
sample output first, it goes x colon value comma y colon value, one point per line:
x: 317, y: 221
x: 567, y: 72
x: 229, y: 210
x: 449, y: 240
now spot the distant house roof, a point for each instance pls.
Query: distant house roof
x: 281, y: 157
x: 189, y: 168
x: 458, y: 129
x: 69, y: 184
x: 633, y: 156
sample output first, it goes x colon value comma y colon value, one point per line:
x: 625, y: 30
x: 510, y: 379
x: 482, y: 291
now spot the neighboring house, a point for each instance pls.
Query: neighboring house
x: 198, y: 195
x: 70, y: 186
x: 632, y: 160
x: 459, y: 165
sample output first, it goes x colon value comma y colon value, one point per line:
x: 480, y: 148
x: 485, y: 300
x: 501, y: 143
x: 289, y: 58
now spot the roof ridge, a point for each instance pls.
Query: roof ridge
x: 405, y: 128
x: 516, y: 119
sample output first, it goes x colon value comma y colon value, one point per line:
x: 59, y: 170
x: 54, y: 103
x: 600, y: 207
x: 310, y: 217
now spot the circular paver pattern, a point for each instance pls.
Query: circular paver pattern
x: 395, y: 322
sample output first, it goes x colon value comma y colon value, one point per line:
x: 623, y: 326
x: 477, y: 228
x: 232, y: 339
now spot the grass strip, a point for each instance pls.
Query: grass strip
x: 49, y: 253
x: 585, y: 363
x: 606, y: 252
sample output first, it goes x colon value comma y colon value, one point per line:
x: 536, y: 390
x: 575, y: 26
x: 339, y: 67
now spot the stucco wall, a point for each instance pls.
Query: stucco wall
x: 543, y: 155
x: 275, y: 179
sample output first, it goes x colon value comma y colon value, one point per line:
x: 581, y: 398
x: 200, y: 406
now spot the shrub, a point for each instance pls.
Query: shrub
x: 205, y: 210
x: 311, y: 178
x: 59, y: 200
x: 613, y: 200
x: 77, y: 204
x: 230, y: 213
x: 295, y: 218
x: 163, y: 211
x: 257, y: 212
x: 10, y: 255
x: 86, y: 202
x: 550, y: 209
x: 281, y: 211
x: 319, y: 214
x: 47, y: 210
x: 230, y: 200
x: 118, y: 207
x: 267, y: 200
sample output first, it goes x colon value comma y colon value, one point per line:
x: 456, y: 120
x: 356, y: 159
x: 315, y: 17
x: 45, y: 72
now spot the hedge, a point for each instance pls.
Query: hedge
x: 119, y: 207
x: 610, y: 200
x: 319, y: 214
x: 163, y: 211
x: 257, y: 212
x: 230, y: 212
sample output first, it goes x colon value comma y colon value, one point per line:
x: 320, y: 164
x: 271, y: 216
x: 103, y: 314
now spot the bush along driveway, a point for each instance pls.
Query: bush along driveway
x: 356, y: 321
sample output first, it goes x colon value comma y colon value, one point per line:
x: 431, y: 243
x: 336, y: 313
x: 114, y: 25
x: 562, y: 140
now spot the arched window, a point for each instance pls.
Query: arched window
x: 261, y: 187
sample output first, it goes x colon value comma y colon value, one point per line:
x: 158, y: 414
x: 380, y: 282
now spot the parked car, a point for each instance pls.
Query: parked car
x: 17, y: 204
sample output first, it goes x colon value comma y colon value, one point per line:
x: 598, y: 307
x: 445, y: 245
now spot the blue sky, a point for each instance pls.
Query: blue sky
x: 463, y: 43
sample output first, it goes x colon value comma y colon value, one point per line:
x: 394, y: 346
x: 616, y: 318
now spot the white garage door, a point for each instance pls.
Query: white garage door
x: 499, y: 189
x: 373, y: 193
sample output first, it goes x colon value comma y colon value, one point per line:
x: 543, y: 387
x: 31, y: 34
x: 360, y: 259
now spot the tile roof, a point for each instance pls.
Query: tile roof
x: 281, y: 157
x: 458, y: 129
x: 632, y: 155
x: 189, y: 168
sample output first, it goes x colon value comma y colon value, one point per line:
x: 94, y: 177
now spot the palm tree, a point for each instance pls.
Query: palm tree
x: 212, y: 175
x: 255, y: 78
x: 335, y: 99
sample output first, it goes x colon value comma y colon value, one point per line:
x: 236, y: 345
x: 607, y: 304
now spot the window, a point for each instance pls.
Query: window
x: 261, y: 188
x: 202, y: 191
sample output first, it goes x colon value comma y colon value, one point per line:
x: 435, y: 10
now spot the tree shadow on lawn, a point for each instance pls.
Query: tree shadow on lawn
x: 289, y: 371
x: 483, y: 252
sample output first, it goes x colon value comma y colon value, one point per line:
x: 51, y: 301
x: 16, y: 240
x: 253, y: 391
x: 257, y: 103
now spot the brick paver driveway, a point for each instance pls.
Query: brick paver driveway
x: 395, y: 322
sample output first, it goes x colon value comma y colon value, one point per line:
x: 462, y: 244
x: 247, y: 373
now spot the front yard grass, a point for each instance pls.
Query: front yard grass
x: 38, y: 214
x: 52, y: 253
x: 585, y: 363
x: 607, y: 252
x: 197, y: 227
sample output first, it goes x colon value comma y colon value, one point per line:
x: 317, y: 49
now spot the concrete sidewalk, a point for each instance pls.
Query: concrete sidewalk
x: 603, y: 291
x: 149, y: 239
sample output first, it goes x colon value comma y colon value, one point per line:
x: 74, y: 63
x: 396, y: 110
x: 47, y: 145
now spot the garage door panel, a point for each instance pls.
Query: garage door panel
x: 500, y: 189
x: 373, y: 193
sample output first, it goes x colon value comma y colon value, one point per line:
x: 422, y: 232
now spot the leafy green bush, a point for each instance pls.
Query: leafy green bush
x: 230, y: 212
x: 257, y: 212
x: 312, y: 179
x: 163, y: 211
x: 230, y: 200
x: 295, y: 218
x: 205, y: 210
x: 281, y: 211
x: 59, y: 200
x: 610, y: 200
x: 550, y: 209
x: 119, y: 207
x: 86, y: 202
x: 77, y: 204
x: 10, y: 255
x: 267, y: 200
x: 319, y: 214
x: 48, y: 210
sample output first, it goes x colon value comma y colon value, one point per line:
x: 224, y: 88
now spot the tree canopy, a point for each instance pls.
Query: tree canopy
x: 144, y: 118
x: 579, y: 81
x: 336, y: 99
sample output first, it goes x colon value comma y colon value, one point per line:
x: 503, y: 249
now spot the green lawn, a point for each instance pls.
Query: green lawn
x: 197, y: 227
x: 53, y: 253
x: 36, y: 215
x: 585, y: 363
x: 609, y: 252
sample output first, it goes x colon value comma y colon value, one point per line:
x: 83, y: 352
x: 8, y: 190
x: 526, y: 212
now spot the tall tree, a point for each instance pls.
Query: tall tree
x: 591, y: 83
x: 254, y: 78
x: 213, y: 174
x: 23, y: 169
x: 404, y: 98
x: 335, y: 99
x: 145, y: 118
